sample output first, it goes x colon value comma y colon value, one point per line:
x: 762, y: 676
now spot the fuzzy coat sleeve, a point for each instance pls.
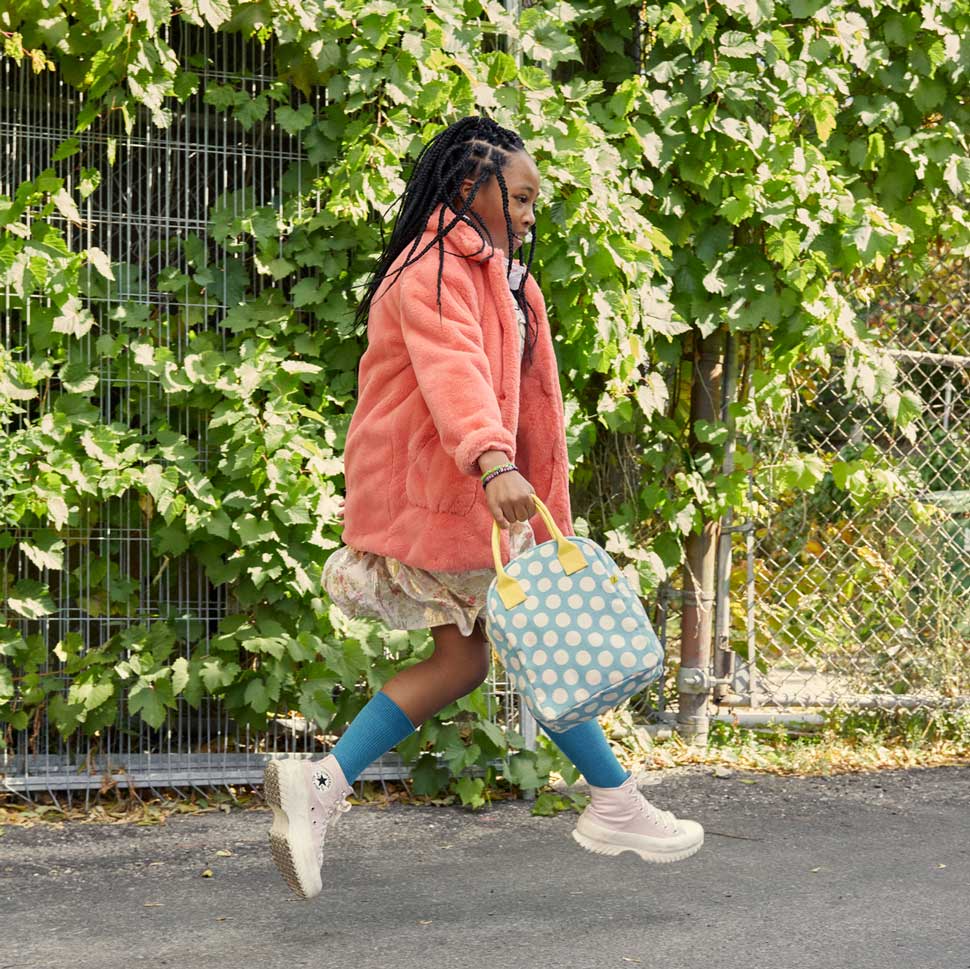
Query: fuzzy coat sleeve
x: 449, y: 360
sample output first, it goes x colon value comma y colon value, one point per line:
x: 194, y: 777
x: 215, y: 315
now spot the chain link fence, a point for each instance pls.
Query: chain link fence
x: 857, y: 593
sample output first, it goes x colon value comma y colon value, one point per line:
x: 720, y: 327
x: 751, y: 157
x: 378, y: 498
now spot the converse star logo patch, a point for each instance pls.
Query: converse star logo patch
x: 323, y: 781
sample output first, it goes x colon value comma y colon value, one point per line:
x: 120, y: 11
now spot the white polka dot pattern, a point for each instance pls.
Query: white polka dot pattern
x: 578, y: 644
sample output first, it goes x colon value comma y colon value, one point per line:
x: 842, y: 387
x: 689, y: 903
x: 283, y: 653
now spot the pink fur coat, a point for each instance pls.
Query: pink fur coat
x: 433, y: 396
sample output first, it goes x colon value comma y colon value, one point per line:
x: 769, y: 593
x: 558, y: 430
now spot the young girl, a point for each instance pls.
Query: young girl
x: 459, y: 378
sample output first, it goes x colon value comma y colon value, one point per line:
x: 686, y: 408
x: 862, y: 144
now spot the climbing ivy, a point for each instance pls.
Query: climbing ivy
x: 741, y: 165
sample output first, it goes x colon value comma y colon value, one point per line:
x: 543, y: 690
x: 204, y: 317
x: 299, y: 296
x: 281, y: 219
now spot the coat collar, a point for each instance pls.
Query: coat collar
x: 464, y: 240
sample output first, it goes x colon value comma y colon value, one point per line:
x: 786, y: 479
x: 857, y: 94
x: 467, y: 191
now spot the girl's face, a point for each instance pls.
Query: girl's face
x: 522, y: 181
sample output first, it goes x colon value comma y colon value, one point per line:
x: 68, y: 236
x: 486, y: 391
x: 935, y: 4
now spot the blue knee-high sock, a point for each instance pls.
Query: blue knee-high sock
x: 380, y: 725
x: 587, y: 747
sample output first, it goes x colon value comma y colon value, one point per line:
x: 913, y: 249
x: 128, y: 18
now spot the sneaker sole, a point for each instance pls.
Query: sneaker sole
x: 659, y: 857
x: 280, y: 783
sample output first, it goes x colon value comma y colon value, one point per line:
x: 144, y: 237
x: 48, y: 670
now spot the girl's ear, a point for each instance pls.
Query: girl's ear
x: 465, y: 188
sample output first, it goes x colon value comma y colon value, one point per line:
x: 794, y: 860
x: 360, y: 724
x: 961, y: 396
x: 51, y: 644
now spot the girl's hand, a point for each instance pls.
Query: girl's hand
x: 509, y: 497
x: 340, y: 514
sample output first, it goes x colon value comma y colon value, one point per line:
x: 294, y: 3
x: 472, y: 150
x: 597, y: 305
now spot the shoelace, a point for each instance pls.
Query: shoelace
x: 326, y: 815
x: 665, y: 819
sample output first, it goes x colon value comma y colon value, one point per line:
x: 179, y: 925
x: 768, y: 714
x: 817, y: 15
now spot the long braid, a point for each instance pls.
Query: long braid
x: 475, y: 147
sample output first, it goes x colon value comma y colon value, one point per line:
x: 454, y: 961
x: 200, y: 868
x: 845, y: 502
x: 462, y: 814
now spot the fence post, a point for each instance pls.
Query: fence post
x: 694, y: 679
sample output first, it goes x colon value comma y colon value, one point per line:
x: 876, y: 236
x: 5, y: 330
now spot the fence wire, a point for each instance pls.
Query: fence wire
x: 857, y: 593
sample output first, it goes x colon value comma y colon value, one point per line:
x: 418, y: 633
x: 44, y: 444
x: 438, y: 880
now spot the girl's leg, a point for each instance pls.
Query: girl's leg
x: 458, y: 665
x: 587, y: 747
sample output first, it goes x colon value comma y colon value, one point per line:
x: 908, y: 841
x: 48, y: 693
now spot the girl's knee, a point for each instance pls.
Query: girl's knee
x: 468, y: 656
x: 483, y: 668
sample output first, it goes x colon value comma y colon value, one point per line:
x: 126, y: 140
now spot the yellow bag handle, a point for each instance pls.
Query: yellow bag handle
x: 569, y: 554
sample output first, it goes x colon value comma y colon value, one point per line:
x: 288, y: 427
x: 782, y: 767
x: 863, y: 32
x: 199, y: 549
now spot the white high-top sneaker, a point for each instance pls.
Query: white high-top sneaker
x: 306, y: 796
x: 621, y: 819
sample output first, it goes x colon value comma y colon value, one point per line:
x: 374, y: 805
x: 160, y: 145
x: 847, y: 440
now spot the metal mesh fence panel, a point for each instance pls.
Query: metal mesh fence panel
x: 164, y: 189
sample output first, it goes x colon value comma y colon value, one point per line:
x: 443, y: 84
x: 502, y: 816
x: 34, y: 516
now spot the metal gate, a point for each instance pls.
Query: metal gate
x: 856, y: 592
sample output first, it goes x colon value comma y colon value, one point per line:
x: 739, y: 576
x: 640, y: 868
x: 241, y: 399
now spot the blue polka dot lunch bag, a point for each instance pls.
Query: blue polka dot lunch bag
x: 569, y: 629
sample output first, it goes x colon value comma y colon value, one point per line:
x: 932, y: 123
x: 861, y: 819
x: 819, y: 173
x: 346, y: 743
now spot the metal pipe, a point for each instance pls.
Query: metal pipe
x: 742, y: 719
x: 723, y: 654
x: 853, y: 701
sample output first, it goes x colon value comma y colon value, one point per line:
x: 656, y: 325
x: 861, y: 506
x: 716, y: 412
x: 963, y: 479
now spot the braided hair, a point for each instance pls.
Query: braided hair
x: 475, y: 147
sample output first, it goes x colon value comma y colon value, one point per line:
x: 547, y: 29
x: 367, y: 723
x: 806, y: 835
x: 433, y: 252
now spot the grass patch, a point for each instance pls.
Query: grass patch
x: 848, y: 741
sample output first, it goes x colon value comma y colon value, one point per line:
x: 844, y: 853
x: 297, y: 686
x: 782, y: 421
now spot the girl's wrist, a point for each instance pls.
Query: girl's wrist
x: 496, y: 471
x: 491, y: 459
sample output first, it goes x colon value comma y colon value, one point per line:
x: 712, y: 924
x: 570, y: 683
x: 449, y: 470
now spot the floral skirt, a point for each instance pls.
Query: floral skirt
x: 368, y: 585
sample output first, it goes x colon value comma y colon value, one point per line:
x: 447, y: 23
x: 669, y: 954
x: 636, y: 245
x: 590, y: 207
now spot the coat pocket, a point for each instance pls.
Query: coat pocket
x: 433, y: 481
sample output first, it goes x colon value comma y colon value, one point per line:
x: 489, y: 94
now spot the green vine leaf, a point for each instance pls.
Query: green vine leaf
x: 745, y: 169
x: 30, y: 599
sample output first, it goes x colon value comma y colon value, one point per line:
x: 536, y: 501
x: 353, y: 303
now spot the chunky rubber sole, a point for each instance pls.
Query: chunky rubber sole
x: 292, y: 853
x: 600, y: 844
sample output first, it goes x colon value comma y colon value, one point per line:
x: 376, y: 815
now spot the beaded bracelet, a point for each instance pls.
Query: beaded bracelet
x: 506, y: 465
x: 497, y: 470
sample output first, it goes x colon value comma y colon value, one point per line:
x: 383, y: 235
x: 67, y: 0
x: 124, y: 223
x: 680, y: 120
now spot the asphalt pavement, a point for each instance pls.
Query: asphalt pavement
x: 853, y: 871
